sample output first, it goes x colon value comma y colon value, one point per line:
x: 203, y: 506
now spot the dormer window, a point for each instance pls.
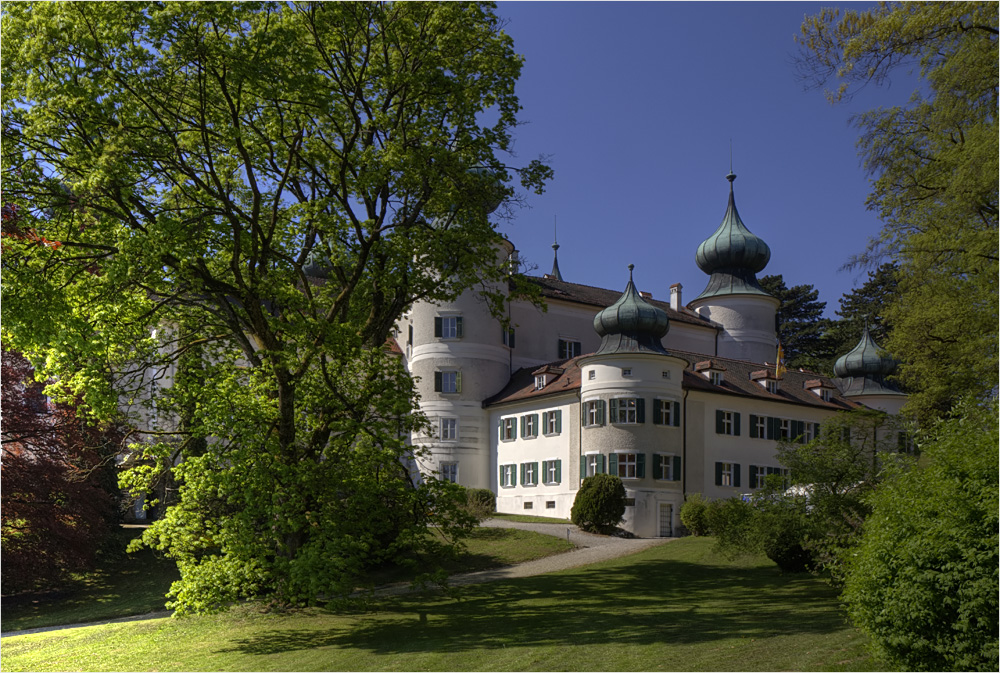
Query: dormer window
x: 819, y: 388
x: 824, y: 394
x: 771, y: 385
x: 767, y: 379
x: 540, y: 381
x: 715, y: 377
x: 711, y: 371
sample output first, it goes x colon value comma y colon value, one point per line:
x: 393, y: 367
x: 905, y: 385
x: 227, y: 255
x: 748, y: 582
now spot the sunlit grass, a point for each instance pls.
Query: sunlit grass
x: 676, y: 606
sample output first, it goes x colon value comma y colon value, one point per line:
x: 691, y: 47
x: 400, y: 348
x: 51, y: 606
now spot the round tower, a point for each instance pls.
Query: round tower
x: 459, y: 356
x: 864, y: 373
x: 732, y: 257
x: 631, y: 400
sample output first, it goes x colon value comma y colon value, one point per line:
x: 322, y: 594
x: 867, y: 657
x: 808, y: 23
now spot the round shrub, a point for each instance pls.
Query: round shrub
x: 600, y: 503
x: 482, y: 502
x: 694, y: 514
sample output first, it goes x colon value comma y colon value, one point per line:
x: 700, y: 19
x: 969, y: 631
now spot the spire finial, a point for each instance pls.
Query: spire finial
x: 630, y: 267
x: 555, y: 250
x: 731, y: 176
x: 555, y: 232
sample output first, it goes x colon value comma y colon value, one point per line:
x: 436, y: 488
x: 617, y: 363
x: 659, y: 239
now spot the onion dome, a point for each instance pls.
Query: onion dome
x: 732, y: 256
x: 866, y: 368
x: 631, y: 324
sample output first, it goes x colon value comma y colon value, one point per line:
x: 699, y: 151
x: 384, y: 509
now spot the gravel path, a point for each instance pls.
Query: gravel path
x: 589, y: 549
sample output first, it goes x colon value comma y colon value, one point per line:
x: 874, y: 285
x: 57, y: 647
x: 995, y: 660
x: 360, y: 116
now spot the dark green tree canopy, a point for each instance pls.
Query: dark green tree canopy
x: 800, y: 323
x: 238, y: 200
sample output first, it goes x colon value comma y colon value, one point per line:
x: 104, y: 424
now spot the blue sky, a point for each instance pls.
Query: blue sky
x: 636, y: 103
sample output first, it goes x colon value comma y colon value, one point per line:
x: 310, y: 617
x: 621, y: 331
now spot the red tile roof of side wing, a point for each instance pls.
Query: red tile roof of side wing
x: 595, y: 296
x: 736, y: 381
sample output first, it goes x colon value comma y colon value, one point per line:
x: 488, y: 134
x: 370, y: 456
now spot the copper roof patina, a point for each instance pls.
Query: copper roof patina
x: 631, y: 324
x: 866, y: 368
x: 732, y: 256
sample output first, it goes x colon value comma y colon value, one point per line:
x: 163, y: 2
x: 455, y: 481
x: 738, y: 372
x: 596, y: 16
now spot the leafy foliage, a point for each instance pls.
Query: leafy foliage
x: 599, y: 504
x: 693, y: 514
x: 800, y: 324
x: 934, y: 168
x: 245, y: 198
x: 58, y: 484
x: 923, y: 582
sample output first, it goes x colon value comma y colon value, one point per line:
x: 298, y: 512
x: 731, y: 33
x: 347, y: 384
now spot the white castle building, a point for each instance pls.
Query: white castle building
x: 673, y: 398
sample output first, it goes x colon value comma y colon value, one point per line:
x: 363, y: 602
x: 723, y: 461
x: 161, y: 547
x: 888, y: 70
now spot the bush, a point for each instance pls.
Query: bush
x: 732, y: 521
x: 783, y: 531
x: 481, y: 502
x: 600, y: 503
x: 923, y: 581
x: 693, y: 514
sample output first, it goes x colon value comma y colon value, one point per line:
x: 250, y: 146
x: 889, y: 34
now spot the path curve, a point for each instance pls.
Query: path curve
x: 589, y: 549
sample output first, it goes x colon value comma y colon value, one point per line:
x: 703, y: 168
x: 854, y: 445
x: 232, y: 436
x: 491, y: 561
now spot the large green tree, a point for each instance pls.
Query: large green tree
x: 934, y: 170
x: 237, y: 201
x: 800, y: 324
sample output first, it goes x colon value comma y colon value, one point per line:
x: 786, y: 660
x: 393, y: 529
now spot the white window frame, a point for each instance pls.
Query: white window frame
x: 784, y: 428
x: 508, y: 429
x: 530, y: 431
x: 449, y: 327
x: 666, y: 411
x: 592, y: 409
x: 530, y: 478
x: 629, y: 465
x: 824, y: 394
x: 449, y: 429
x: 715, y: 378
x: 592, y: 461
x: 629, y: 411
x: 771, y: 386
x: 549, y: 470
x: 729, y: 423
x: 549, y: 423
x: 540, y: 381
x: 592, y: 374
x: 809, y: 433
x: 626, y: 372
x: 569, y: 348
x: 507, y: 474
x: 761, y: 427
x: 666, y: 465
x: 761, y: 476
x: 449, y: 382
x: 727, y: 474
x: 449, y: 472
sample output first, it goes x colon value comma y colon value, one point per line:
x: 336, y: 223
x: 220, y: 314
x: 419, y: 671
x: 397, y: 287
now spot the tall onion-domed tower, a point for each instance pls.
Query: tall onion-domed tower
x: 732, y: 257
x: 863, y: 375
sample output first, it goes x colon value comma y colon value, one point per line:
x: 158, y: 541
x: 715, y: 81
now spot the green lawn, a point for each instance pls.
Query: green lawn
x: 136, y: 584
x: 676, y: 606
x: 528, y: 518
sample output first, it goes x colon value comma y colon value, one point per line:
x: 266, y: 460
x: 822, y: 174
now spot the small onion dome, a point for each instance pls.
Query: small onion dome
x: 732, y: 246
x: 865, y: 369
x: 494, y: 188
x: 631, y: 324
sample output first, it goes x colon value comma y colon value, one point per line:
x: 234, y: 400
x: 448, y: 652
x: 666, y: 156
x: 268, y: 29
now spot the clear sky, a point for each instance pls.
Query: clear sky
x: 636, y: 103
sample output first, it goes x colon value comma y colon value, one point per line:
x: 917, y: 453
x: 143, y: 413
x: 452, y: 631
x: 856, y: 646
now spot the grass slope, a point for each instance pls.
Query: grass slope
x: 673, y: 607
x: 135, y: 584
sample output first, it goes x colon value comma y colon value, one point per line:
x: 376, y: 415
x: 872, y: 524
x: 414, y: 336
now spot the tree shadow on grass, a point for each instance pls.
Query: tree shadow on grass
x: 643, y: 602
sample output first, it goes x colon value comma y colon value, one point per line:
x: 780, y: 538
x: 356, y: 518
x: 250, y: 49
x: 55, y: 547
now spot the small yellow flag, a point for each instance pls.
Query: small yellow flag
x: 779, y: 365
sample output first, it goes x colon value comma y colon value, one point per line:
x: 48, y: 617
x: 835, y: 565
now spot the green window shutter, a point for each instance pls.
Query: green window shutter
x: 816, y: 430
x: 718, y: 474
x: 558, y: 471
x: 677, y: 414
x: 535, y: 423
x: 657, y: 466
x: 600, y: 412
x: 613, y: 464
x: 773, y: 470
x: 640, y: 410
x: 523, y: 423
x: 736, y: 423
x: 513, y: 477
x: 522, y: 472
x: 613, y: 404
x: 753, y: 426
x: 558, y: 414
x: 510, y: 338
x: 458, y: 327
x: 736, y: 475
x: 658, y: 412
x: 437, y: 327
x: 538, y: 475
x: 772, y: 427
x: 583, y: 467
x: 583, y: 413
x: 719, y: 422
x: 437, y: 382
x: 640, y: 465
x: 500, y: 475
x: 799, y: 431
x: 458, y: 382
x: 677, y: 468
x: 600, y: 464
x: 753, y: 476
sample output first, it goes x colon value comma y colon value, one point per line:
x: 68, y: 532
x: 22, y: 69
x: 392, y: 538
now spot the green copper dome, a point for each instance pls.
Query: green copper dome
x: 732, y: 256
x: 631, y: 324
x: 866, y: 367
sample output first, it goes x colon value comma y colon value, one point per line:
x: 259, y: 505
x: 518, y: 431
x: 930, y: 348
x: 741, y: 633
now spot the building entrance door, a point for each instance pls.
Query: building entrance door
x: 666, y: 519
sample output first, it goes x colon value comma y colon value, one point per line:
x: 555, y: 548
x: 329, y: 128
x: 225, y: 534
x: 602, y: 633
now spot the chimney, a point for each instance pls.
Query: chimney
x: 675, y: 296
x: 645, y: 295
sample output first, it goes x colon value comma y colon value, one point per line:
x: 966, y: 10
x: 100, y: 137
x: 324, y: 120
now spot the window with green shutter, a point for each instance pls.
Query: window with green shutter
x: 677, y: 415
x: 640, y: 465
x: 676, y: 474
